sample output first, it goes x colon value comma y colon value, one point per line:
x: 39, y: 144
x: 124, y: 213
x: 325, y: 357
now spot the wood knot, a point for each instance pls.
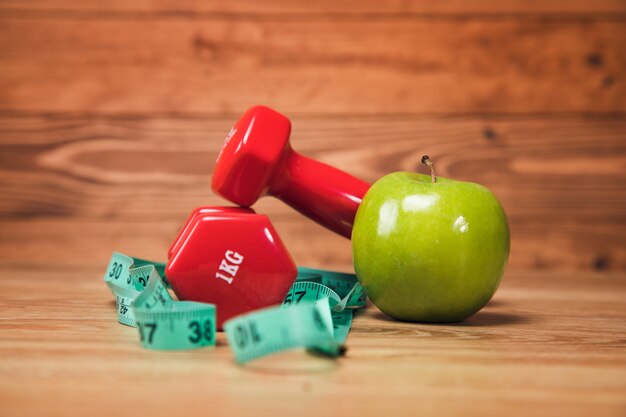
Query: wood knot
x: 595, y: 60
x: 608, y: 81
x: 489, y: 133
x: 600, y: 263
x: 203, y: 48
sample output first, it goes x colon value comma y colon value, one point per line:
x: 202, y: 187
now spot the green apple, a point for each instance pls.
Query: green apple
x: 429, y: 249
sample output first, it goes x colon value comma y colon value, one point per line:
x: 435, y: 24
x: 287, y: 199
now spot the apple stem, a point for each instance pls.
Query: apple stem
x: 426, y: 161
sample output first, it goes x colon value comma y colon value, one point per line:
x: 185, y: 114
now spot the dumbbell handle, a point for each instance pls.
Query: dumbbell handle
x: 323, y: 193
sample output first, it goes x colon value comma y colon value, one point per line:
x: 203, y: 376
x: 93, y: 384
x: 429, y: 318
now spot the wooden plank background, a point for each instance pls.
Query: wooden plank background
x: 111, y: 115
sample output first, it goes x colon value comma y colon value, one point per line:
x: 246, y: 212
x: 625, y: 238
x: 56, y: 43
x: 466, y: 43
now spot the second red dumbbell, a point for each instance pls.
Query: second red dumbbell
x: 257, y: 160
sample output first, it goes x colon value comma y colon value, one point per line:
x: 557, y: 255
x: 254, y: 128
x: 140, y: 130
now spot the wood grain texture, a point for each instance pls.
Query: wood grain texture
x: 111, y: 117
x: 326, y: 64
x: 548, y: 344
x: 106, y: 182
x: 345, y: 7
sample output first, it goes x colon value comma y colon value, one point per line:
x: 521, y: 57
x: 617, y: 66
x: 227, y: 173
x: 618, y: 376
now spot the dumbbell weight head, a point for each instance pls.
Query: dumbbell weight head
x: 252, y: 152
x: 234, y: 260
x: 200, y: 211
x: 257, y: 160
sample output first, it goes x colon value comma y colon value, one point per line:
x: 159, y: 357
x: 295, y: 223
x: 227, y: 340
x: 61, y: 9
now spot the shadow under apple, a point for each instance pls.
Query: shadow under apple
x: 483, y: 318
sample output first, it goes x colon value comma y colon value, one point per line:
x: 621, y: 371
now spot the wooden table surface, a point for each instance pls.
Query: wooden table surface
x: 549, y: 343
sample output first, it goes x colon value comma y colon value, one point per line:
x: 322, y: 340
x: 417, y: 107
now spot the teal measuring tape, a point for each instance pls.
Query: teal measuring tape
x: 143, y: 301
x: 316, y: 313
x: 313, y: 315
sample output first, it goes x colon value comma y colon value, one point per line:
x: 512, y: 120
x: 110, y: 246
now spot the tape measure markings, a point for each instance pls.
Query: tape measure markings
x: 316, y: 313
x: 143, y: 301
x: 276, y: 329
x: 154, y: 292
x: 159, y: 266
x: 177, y: 325
x: 340, y: 282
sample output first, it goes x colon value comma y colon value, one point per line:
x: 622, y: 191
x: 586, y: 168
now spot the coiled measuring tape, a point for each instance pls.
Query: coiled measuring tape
x: 316, y: 313
x: 143, y: 301
x: 312, y: 315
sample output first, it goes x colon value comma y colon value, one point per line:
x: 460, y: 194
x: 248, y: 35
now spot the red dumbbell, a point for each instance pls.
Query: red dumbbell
x: 257, y: 160
x: 191, y: 221
x: 233, y: 259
